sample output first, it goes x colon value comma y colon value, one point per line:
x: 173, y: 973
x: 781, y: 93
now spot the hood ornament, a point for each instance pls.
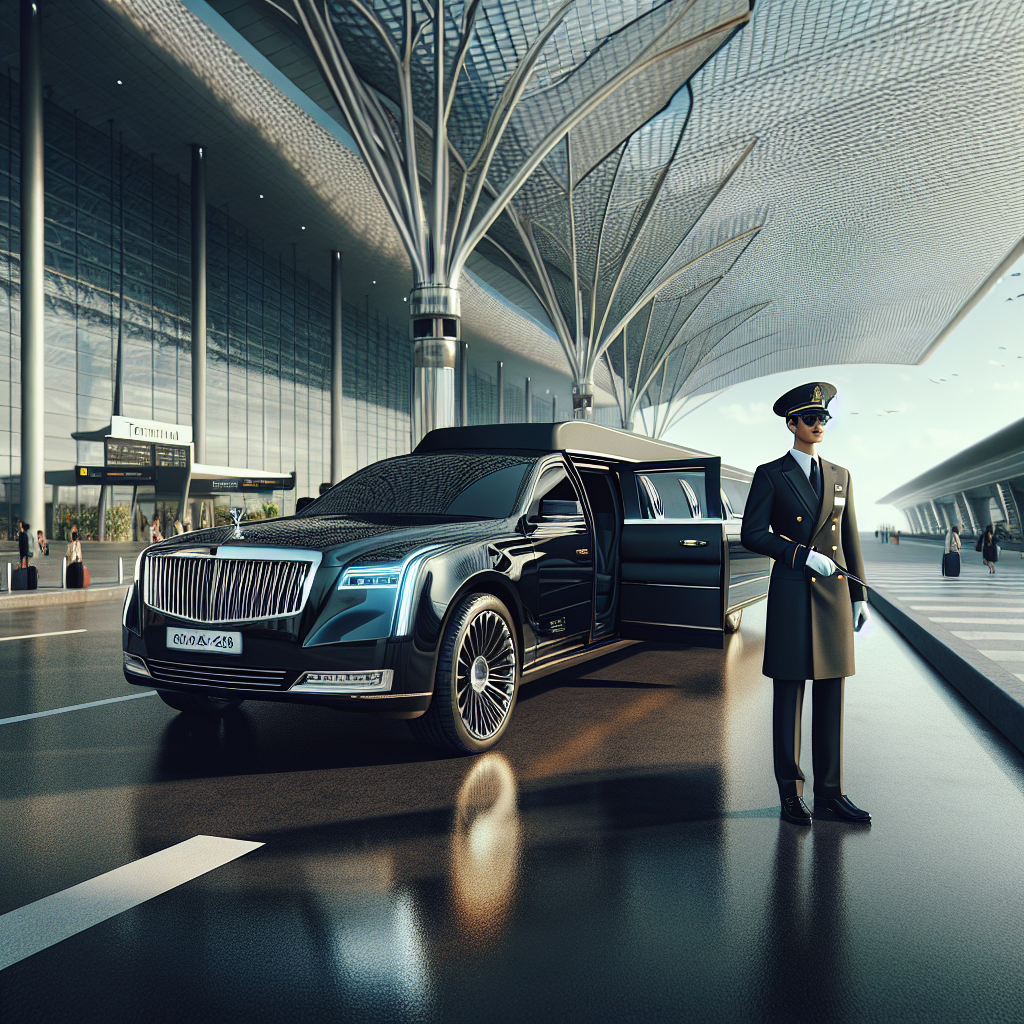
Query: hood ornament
x: 237, y: 515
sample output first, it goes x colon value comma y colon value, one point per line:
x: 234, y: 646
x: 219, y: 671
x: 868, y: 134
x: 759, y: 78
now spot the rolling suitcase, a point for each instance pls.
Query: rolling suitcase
x: 951, y: 564
x: 76, y: 573
x: 25, y: 579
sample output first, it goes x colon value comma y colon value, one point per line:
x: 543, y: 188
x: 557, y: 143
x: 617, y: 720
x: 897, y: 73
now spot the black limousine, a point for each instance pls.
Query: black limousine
x: 432, y: 586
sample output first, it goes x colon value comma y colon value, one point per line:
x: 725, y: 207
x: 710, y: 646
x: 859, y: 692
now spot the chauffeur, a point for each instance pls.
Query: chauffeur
x: 800, y: 513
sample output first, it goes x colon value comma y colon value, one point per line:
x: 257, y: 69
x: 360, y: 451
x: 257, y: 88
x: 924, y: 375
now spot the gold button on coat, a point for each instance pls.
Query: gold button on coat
x: 799, y: 519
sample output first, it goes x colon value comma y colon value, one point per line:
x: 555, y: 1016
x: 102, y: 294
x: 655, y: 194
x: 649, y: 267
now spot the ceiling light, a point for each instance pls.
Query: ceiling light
x: 119, y: 82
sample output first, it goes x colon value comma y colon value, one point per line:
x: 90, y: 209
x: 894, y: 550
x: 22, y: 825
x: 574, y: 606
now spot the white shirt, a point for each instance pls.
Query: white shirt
x: 805, y: 461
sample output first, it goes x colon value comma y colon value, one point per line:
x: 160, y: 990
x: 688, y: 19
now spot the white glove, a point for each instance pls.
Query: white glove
x: 860, y: 614
x: 821, y: 564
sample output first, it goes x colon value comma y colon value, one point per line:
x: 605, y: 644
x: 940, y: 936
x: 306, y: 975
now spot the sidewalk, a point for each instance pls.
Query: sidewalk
x: 971, y: 629
x: 100, y: 557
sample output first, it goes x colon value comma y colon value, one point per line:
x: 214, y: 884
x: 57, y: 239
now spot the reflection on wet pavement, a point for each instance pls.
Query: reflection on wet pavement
x: 619, y: 857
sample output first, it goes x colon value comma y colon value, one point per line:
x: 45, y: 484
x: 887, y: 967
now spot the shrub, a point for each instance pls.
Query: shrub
x: 118, y: 522
x: 270, y: 510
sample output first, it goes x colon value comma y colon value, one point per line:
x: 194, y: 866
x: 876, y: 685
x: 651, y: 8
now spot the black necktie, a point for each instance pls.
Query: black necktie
x: 814, y: 477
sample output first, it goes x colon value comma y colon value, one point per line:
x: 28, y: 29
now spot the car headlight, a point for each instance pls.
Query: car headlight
x: 399, y: 577
x: 371, y: 577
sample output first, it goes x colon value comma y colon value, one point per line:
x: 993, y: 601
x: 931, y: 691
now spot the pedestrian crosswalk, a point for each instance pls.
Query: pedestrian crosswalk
x: 978, y: 608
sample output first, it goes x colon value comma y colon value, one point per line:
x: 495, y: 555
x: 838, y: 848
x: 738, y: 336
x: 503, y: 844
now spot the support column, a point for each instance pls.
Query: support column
x: 33, y: 342
x: 337, y: 437
x: 501, y: 391
x: 434, y: 312
x: 583, y: 400
x: 464, y: 384
x: 528, y: 396
x: 554, y: 408
x: 199, y: 302
x: 101, y: 514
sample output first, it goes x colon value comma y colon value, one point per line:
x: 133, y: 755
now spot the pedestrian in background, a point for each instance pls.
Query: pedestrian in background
x: 951, y: 553
x: 44, y: 547
x: 75, y: 578
x: 24, y: 548
x: 989, y: 549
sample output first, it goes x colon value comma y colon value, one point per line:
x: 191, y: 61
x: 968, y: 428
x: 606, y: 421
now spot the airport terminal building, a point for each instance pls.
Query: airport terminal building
x: 125, y: 148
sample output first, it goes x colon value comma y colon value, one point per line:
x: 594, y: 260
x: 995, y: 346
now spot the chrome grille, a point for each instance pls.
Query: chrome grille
x: 216, y: 675
x: 200, y: 587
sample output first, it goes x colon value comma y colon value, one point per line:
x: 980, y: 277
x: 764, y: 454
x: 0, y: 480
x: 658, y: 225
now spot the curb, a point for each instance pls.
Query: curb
x: 996, y: 693
x: 43, y: 599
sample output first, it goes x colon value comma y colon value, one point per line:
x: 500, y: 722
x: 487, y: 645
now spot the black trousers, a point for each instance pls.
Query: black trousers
x: 826, y: 736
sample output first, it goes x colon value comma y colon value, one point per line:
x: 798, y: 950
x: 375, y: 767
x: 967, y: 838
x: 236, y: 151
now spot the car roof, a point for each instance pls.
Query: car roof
x: 578, y: 437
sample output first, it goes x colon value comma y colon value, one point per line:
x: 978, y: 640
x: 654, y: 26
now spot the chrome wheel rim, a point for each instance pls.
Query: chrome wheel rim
x: 485, y: 675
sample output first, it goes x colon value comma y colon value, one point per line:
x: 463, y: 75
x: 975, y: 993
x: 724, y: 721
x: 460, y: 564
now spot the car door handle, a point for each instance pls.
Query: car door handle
x: 694, y: 543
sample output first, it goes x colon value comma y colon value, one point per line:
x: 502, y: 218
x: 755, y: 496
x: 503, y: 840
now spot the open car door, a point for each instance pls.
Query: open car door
x: 674, y: 564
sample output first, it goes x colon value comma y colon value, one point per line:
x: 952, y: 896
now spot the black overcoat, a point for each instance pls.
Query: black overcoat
x: 810, y: 618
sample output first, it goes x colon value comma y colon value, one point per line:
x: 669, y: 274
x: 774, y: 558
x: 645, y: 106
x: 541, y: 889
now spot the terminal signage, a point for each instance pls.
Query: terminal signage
x: 236, y: 484
x: 149, y: 430
x: 120, y: 452
x: 115, y: 475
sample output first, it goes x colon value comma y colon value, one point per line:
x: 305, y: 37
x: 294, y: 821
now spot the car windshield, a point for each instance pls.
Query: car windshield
x: 474, y: 485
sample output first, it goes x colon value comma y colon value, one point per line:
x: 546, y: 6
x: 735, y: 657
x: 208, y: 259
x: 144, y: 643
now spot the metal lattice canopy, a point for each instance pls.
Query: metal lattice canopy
x: 450, y: 141
x: 623, y: 255
x: 890, y: 162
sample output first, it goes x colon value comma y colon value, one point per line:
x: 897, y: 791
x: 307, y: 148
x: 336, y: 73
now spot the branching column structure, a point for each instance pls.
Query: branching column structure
x: 455, y: 105
x: 615, y: 254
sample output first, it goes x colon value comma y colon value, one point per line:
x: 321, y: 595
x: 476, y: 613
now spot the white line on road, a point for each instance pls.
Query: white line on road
x: 1003, y: 655
x: 75, y: 707
x: 966, y: 620
x: 987, y: 634
x: 32, y: 636
x: 934, y: 606
x: 52, y: 919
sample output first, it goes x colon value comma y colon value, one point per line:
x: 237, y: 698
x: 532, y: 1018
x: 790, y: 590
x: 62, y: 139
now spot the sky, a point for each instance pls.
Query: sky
x: 891, y: 421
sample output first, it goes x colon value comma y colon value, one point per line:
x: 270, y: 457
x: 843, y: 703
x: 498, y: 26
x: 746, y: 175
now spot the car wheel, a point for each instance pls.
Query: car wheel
x: 733, y: 620
x: 198, y: 703
x: 477, y: 679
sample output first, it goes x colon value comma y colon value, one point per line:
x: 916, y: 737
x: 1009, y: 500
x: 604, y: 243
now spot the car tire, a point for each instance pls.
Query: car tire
x: 733, y: 620
x: 477, y: 679
x: 198, y: 703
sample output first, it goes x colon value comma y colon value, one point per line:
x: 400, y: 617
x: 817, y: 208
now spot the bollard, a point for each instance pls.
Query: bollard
x: 64, y: 573
x: 120, y: 570
x: 9, y: 577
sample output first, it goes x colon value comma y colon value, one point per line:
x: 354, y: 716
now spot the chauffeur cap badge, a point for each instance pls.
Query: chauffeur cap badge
x: 237, y: 515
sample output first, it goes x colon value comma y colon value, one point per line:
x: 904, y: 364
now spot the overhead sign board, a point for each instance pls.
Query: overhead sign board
x: 149, y: 430
x: 238, y: 484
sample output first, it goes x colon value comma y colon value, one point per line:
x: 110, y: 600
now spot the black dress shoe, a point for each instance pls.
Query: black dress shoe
x: 839, y: 808
x: 795, y: 810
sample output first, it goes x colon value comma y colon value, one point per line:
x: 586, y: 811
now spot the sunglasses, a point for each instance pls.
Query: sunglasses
x: 810, y: 418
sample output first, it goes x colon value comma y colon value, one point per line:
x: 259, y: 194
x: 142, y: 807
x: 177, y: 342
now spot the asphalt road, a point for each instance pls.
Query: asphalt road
x: 619, y: 857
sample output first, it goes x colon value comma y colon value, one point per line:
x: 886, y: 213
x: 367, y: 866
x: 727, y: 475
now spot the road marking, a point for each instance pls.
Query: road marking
x: 32, y: 636
x: 988, y: 634
x: 1003, y: 655
x: 52, y: 919
x: 975, y: 605
x: 75, y: 707
x: 967, y: 621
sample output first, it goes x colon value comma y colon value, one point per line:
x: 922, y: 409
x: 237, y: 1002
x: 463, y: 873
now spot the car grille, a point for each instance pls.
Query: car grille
x: 216, y: 675
x: 203, y: 588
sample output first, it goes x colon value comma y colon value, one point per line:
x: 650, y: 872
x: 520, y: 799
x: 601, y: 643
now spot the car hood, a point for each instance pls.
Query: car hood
x: 371, y: 537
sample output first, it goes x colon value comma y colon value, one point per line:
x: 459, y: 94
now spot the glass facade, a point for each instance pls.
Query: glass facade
x: 118, y: 242
x: 118, y: 272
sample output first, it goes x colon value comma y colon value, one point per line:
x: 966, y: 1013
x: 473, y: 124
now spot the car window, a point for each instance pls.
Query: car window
x: 481, y: 486
x: 672, y: 494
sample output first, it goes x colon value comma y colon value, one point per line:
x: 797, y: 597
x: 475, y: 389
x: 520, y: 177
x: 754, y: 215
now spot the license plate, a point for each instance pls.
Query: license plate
x: 213, y: 641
